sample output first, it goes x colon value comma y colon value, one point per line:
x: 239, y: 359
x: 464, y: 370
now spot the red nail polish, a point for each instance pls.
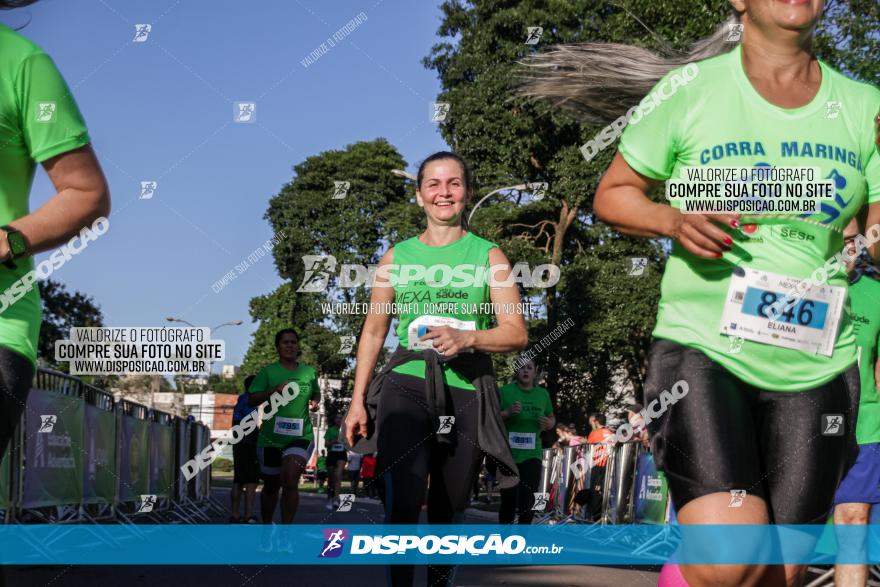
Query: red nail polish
x: 734, y: 223
x: 719, y: 255
x: 728, y: 240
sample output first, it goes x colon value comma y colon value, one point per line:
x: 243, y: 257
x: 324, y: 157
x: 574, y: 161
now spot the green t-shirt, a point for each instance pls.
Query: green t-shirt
x: 865, y: 309
x: 321, y: 465
x: 460, y: 276
x: 38, y: 120
x: 719, y: 120
x: 291, y: 422
x: 523, y: 430
x: 332, y: 436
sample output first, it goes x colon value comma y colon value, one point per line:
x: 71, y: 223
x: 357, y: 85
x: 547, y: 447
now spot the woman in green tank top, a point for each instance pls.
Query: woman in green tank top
x: 442, y: 286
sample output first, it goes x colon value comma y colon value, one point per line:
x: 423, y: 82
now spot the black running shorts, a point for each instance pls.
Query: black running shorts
x: 725, y: 434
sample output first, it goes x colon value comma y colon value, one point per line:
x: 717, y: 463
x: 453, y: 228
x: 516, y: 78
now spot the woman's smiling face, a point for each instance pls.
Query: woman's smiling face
x: 782, y: 14
x: 443, y: 191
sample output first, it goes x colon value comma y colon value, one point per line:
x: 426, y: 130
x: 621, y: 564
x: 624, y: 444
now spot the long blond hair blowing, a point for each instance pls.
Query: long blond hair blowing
x: 599, y: 82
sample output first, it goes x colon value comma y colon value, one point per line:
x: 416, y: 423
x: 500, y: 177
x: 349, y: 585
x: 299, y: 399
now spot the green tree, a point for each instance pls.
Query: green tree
x: 63, y: 310
x: 355, y: 229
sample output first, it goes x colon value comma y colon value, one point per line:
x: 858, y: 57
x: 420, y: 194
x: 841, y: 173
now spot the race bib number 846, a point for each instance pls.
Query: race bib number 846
x: 809, y: 325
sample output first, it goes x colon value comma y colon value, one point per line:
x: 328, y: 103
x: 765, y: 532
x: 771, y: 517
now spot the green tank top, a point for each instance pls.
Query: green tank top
x: 434, y: 285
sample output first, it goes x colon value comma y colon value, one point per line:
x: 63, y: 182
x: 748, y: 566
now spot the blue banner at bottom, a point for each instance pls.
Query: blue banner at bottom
x: 422, y: 544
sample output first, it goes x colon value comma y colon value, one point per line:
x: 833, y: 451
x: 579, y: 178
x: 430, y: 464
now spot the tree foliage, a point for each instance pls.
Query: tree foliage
x: 353, y: 230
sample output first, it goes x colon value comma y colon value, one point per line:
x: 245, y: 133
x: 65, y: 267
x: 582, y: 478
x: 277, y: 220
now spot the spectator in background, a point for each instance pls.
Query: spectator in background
x: 527, y: 411
x: 354, y: 470
x: 245, y: 466
x: 321, y: 468
x: 575, y: 439
x: 368, y: 472
x: 600, y: 438
x: 562, y: 436
x: 634, y: 416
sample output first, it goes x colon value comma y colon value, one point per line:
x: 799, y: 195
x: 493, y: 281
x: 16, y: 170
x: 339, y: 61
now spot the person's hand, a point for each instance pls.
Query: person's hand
x: 515, y: 409
x: 701, y: 234
x: 355, y: 422
x: 545, y: 422
x: 877, y: 129
x: 449, y: 341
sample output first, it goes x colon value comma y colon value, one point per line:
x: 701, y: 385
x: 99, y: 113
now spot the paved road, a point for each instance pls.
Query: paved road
x: 312, y: 512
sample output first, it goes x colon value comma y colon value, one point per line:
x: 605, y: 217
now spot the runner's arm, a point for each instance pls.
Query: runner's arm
x: 369, y: 346
x: 621, y: 201
x: 510, y: 334
x: 548, y: 421
x: 877, y: 373
x: 874, y: 218
x: 82, y: 197
x: 258, y: 398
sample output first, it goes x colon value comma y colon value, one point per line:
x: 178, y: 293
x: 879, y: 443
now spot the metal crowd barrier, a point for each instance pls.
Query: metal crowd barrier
x: 79, y: 456
x: 633, y: 490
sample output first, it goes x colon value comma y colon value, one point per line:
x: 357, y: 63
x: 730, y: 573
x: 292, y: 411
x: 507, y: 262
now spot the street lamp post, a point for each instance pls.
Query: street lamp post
x: 211, y: 361
x: 520, y: 187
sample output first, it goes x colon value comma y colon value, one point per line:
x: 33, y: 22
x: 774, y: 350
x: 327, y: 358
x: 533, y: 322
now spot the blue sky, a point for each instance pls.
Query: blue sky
x: 163, y: 110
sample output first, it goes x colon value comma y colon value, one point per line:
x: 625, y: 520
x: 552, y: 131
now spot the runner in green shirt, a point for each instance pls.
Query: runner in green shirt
x: 448, y: 285
x: 860, y: 488
x: 39, y: 123
x: 321, y: 468
x: 527, y: 411
x: 286, y: 438
x: 762, y: 413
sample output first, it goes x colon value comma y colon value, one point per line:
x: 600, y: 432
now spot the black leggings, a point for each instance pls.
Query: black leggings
x: 521, y: 498
x: 725, y: 434
x: 408, y: 454
x: 16, y: 379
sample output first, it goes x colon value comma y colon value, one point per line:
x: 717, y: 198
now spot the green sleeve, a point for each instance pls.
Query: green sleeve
x: 548, y: 410
x: 649, y: 143
x: 51, y: 122
x: 505, y: 398
x: 316, y: 389
x: 260, y: 382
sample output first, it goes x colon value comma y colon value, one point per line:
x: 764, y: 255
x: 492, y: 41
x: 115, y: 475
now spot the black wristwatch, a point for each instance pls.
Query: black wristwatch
x: 17, y: 245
